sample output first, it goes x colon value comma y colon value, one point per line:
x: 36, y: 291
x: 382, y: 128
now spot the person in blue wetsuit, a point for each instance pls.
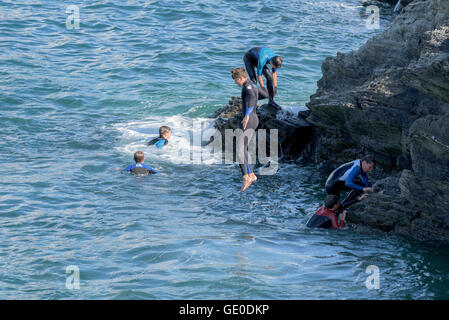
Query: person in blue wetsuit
x: 343, y: 178
x: 162, y: 140
x: 258, y: 61
x: 139, y: 168
x: 249, y: 125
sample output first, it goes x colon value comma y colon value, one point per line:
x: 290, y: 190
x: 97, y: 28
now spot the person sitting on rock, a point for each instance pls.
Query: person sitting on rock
x: 249, y: 124
x: 343, y: 178
x: 259, y: 58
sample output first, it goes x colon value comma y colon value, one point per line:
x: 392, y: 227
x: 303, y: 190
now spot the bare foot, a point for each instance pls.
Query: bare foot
x: 253, y: 177
x: 246, y: 182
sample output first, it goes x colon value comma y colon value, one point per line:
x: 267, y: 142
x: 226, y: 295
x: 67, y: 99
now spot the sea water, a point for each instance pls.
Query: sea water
x: 84, y: 85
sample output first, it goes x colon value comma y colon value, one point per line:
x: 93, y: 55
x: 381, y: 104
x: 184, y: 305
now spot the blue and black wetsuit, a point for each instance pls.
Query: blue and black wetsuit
x: 159, y: 142
x: 140, y: 169
x: 257, y: 61
x: 343, y: 178
x: 249, y: 102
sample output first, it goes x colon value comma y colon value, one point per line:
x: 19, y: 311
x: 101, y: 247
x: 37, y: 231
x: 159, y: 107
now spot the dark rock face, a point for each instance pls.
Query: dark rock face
x: 391, y: 99
x: 294, y: 133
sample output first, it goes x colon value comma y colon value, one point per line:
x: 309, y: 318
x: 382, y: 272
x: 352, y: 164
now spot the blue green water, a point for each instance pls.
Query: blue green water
x: 75, y: 103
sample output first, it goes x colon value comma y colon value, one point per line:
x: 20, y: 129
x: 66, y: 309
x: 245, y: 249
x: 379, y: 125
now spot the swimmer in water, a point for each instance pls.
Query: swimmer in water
x: 139, y: 168
x: 326, y: 216
x: 162, y: 140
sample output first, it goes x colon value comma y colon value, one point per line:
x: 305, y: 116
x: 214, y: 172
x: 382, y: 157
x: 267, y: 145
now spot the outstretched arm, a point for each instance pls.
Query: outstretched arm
x: 350, y: 180
x: 259, y: 78
x: 275, y: 78
x: 250, y: 95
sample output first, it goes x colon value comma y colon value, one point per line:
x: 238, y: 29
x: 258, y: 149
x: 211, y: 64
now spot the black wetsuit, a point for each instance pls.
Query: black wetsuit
x: 140, y: 169
x: 254, y: 61
x: 342, y: 179
x: 159, y: 142
x: 325, y: 218
x: 249, y: 102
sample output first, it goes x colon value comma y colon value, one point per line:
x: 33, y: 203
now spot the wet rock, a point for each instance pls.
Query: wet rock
x: 390, y: 98
x: 294, y: 133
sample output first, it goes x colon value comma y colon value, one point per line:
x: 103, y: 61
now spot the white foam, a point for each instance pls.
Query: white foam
x: 290, y: 111
x: 185, y: 144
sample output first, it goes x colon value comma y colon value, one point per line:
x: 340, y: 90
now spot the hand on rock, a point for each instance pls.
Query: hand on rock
x: 363, y: 196
x: 343, y: 215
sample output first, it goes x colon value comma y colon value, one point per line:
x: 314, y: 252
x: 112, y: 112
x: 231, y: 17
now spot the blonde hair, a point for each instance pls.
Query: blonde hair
x: 239, y: 73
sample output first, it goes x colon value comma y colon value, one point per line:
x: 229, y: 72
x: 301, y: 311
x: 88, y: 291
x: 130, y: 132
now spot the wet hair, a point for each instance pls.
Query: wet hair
x: 368, y: 159
x: 330, y: 201
x: 277, y: 61
x: 163, y: 130
x: 138, y: 156
x: 239, y: 73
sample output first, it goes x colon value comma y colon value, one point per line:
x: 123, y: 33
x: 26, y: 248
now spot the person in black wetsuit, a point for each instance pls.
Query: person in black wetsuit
x: 258, y: 61
x: 249, y: 124
x: 326, y: 216
x: 139, y: 168
x: 343, y: 177
x: 162, y: 140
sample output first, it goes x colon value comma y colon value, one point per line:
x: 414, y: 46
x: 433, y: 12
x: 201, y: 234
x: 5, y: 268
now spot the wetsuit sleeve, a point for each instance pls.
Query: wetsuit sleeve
x: 350, y: 180
x: 160, y: 143
x: 129, y: 167
x: 273, y: 70
x: 265, y: 54
x: 334, y: 222
x: 149, y: 168
x: 260, y: 65
x: 250, y: 96
x: 365, y: 179
x: 341, y: 224
x: 349, y: 203
x: 153, y: 141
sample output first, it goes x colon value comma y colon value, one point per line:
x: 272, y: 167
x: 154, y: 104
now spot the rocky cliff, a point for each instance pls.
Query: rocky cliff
x: 390, y: 99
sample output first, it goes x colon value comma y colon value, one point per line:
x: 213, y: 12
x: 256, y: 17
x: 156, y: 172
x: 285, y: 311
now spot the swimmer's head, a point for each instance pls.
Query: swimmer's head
x: 165, y: 132
x: 367, y: 163
x: 139, y: 157
x: 276, y: 62
x: 331, y: 202
x: 239, y: 75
